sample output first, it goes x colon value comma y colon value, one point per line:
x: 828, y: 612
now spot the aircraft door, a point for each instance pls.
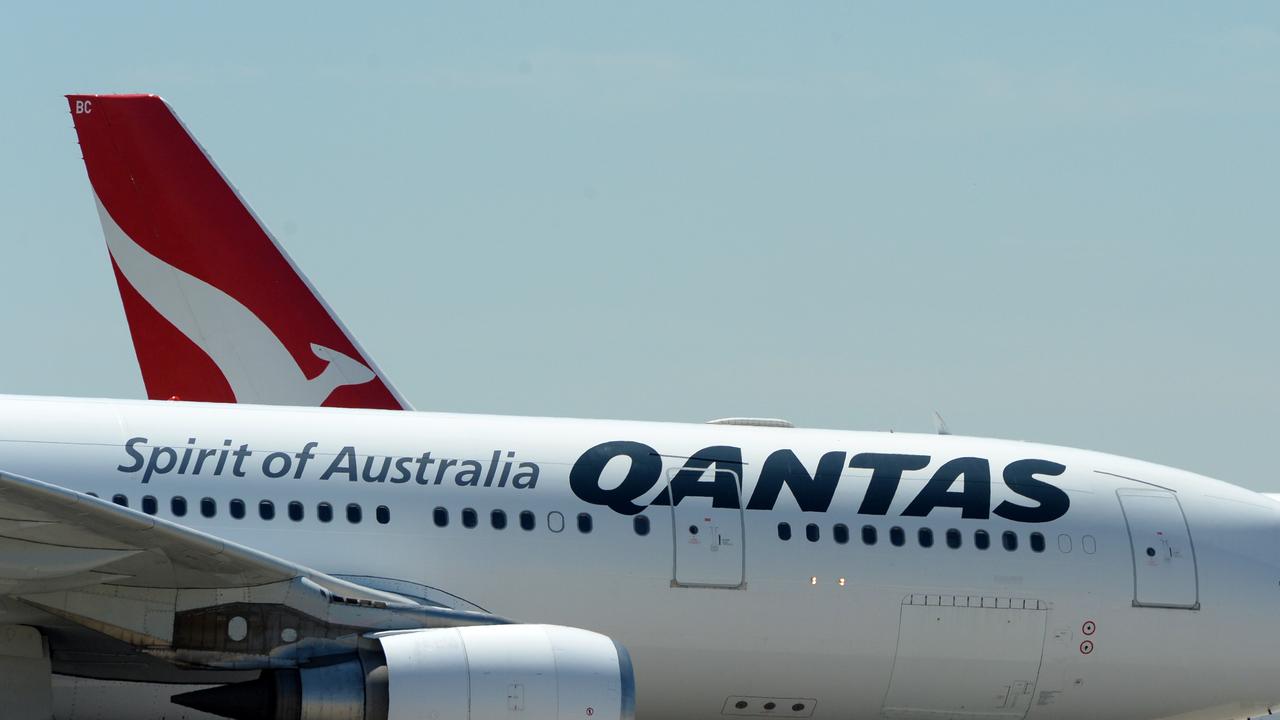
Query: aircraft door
x: 1164, y: 560
x: 960, y: 656
x: 707, y: 528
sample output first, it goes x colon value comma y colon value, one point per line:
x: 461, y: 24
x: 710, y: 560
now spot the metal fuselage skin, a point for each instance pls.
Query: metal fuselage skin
x: 1077, y: 628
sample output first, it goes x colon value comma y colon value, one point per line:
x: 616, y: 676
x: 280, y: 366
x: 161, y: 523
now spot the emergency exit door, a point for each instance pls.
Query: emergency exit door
x: 708, y: 539
x: 1164, y: 560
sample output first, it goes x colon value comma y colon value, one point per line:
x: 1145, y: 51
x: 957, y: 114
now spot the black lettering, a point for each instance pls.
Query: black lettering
x: 646, y: 468
x: 240, y: 454
x: 886, y: 474
x: 493, y: 468
x: 974, y: 499
x: 526, y: 476
x: 1053, y: 501
x: 201, y: 457
x: 186, y: 456
x: 725, y: 463
x: 285, y: 461
x: 343, y: 462
x: 506, y: 469
x: 403, y: 473
x: 222, y: 458
x: 308, y: 452
x: 154, y: 464
x: 423, y: 463
x: 380, y: 475
x: 468, y: 472
x: 813, y: 493
x: 130, y: 448
x: 444, y: 465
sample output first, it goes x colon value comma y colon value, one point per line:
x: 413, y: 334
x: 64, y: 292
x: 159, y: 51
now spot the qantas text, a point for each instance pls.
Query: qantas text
x: 813, y: 491
x: 715, y: 473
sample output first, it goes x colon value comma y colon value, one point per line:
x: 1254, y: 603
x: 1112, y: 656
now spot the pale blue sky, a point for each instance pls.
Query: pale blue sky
x: 1055, y: 224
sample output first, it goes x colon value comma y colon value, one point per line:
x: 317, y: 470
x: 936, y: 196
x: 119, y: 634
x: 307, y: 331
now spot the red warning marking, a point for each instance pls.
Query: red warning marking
x: 1086, y: 647
x: 1089, y: 627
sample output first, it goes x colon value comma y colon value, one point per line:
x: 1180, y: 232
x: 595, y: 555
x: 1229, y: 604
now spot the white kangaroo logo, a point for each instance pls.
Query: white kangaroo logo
x: 255, y: 363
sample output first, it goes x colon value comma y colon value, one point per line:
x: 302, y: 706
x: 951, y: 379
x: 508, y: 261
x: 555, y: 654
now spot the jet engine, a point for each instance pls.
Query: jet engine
x: 535, y: 672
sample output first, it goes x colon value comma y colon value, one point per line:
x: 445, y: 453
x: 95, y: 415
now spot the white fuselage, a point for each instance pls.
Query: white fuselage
x: 1092, y: 625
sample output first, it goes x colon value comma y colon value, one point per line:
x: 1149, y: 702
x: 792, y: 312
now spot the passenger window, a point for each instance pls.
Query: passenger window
x: 324, y: 512
x: 237, y: 509
x: 149, y: 504
x: 584, y: 523
x: 383, y: 514
x: 953, y: 539
x: 868, y: 535
x: 925, y: 536
x: 1010, y: 540
x: 178, y: 506
x: 897, y: 536
x: 208, y: 507
x: 267, y: 510
x: 498, y: 519
x: 555, y: 521
x: 92, y: 494
x: 469, y: 518
x: 295, y: 511
x: 1037, y: 542
x: 981, y: 539
x: 811, y: 532
x: 527, y: 520
x: 784, y: 531
x: 841, y: 533
x: 354, y: 514
x: 441, y: 517
x: 120, y: 500
x: 641, y: 524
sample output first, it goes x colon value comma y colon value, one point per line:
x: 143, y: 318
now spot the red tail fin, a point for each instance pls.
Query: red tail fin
x: 217, y: 310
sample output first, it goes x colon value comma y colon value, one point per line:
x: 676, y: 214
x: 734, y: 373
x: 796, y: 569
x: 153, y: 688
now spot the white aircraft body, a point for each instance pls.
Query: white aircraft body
x: 359, y: 561
x: 1110, y: 588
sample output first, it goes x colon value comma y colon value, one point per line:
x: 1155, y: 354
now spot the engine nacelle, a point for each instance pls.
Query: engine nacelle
x: 487, y: 672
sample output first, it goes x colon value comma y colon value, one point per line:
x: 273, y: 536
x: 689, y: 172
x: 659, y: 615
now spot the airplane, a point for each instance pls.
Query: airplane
x: 203, y: 560
x: 217, y: 310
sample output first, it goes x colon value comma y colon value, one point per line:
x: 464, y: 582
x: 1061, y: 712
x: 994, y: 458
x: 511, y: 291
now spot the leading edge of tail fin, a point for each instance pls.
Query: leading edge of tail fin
x: 217, y: 310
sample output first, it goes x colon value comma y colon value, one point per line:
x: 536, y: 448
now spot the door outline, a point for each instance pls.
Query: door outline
x: 964, y: 604
x: 742, y: 533
x: 1133, y: 547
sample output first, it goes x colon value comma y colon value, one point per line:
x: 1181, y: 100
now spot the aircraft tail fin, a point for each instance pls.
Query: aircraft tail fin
x: 217, y: 310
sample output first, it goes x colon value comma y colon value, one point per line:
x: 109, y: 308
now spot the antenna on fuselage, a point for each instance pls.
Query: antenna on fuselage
x: 939, y: 424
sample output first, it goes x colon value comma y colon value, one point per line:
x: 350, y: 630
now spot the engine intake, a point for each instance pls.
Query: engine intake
x: 541, y: 672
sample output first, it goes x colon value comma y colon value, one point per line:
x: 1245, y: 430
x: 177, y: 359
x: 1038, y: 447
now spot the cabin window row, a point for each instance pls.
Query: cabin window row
x: 528, y: 521
x: 498, y: 520
x: 238, y: 509
x: 469, y: 517
x: 924, y: 537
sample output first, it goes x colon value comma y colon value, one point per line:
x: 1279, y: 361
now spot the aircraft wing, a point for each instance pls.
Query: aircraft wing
x: 183, y: 595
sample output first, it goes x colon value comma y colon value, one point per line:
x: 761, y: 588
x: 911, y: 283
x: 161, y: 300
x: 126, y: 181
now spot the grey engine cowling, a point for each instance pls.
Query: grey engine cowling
x: 535, y: 672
